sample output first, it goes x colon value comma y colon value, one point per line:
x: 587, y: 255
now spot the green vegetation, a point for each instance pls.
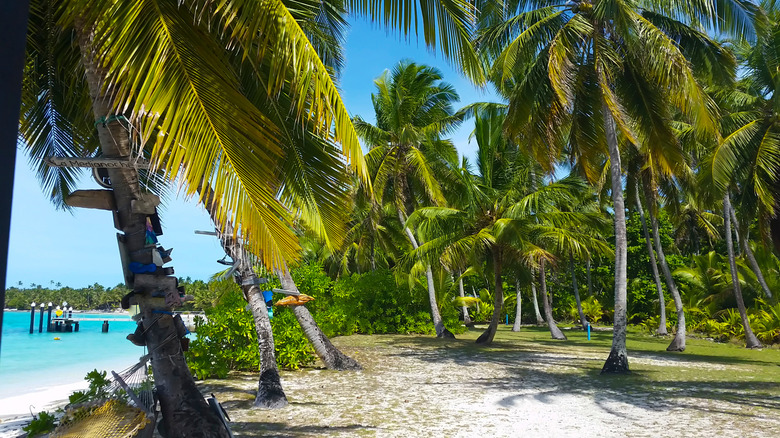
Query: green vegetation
x: 593, y: 93
x: 43, y: 423
x: 95, y: 297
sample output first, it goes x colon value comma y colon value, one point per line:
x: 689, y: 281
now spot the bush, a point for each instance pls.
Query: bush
x: 226, y: 340
x: 43, y: 423
x: 372, y: 303
x: 98, y: 388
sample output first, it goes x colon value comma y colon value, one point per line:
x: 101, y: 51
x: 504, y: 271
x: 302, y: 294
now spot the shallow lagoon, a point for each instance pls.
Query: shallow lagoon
x: 32, y: 362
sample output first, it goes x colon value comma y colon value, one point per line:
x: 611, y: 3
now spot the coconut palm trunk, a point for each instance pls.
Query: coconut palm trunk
x: 653, y: 266
x: 750, y: 339
x: 185, y: 411
x: 331, y: 356
x: 518, y: 308
x: 498, y: 301
x: 617, y: 361
x: 590, y: 279
x: 583, y: 321
x: 464, y: 309
x: 539, y: 319
x: 438, y: 323
x: 745, y: 243
x: 554, y: 330
x: 270, y: 394
x: 678, y: 343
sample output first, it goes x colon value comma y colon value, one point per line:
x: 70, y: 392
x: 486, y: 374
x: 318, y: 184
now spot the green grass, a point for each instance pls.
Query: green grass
x: 721, y: 371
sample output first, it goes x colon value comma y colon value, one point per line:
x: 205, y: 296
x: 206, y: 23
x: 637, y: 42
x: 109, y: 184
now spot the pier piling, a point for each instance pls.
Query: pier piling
x: 32, y: 317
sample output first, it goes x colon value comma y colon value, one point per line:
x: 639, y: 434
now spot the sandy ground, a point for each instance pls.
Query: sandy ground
x: 15, y: 411
x: 411, y: 388
x: 417, y: 386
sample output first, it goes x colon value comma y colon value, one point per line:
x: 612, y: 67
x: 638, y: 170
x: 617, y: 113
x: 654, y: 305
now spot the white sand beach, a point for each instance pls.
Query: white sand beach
x: 15, y: 411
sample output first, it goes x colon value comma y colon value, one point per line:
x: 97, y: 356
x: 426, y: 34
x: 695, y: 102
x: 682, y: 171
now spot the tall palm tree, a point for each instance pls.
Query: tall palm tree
x: 413, y: 109
x: 591, y: 71
x: 502, y: 223
x: 751, y: 341
x: 158, y: 78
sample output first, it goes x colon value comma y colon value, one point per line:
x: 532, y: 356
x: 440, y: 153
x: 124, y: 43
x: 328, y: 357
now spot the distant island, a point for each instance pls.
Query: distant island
x: 95, y: 297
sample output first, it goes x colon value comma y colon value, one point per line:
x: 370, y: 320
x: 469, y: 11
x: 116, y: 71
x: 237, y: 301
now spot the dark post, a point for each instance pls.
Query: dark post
x: 77, y: 326
x: 105, y: 326
x: 40, y: 320
x: 32, y: 317
x: 13, y: 33
x: 70, y: 312
x: 48, y: 319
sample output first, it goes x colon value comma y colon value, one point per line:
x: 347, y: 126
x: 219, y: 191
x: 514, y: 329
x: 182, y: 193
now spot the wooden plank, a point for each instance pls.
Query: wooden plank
x: 97, y: 199
x: 124, y: 258
x: 106, y: 163
x: 286, y: 292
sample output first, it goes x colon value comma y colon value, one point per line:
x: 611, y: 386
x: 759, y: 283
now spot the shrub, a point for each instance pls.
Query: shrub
x: 226, y: 340
x: 43, y: 423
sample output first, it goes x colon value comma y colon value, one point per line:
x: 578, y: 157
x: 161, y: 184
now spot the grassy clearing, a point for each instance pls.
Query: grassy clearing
x: 421, y: 386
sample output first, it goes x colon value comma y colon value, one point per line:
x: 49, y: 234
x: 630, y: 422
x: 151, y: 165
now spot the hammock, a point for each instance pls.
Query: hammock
x: 127, y: 409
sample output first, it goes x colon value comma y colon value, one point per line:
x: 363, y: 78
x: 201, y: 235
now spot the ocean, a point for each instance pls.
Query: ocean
x: 34, y: 362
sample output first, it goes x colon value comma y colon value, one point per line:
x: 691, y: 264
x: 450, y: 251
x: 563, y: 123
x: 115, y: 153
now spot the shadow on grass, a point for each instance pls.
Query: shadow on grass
x: 546, y: 373
x: 282, y: 429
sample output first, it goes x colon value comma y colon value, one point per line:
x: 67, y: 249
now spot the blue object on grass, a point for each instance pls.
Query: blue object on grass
x: 268, y: 295
x: 588, y: 331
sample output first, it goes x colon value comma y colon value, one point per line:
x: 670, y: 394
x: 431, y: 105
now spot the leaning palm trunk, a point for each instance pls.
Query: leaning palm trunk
x: 270, y: 394
x: 331, y: 356
x: 539, y: 319
x: 185, y: 412
x: 617, y: 362
x: 438, y: 323
x: 583, y: 321
x: 653, y: 266
x: 498, y: 302
x: 554, y: 330
x: 678, y: 343
x: 464, y: 309
x: 518, y: 308
x: 750, y: 339
x: 745, y: 242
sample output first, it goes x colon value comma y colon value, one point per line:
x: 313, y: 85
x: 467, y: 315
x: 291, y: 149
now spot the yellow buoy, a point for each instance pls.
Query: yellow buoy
x: 56, y: 339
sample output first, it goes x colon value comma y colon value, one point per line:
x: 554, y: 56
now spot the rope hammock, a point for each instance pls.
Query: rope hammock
x: 127, y: 409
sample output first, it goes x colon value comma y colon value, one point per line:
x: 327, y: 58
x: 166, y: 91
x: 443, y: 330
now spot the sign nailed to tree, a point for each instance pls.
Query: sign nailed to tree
x: 106, y: 163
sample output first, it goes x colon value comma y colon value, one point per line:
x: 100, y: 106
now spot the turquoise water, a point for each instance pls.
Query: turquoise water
x: 30, y: 362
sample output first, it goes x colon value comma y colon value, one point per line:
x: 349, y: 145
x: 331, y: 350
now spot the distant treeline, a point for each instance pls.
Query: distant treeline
x: 94, y: 297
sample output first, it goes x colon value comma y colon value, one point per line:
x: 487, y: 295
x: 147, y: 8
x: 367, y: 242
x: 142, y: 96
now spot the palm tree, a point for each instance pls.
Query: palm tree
x: 502, y: 224
x: 750, y: 339
x: 590, y: 71
x: 156, y: 77
x: 653, y: 266
x: 413, y: 110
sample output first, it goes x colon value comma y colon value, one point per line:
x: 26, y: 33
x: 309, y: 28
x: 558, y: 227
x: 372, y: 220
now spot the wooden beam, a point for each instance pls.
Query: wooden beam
x: 98, y: 199
x: 106, y: 163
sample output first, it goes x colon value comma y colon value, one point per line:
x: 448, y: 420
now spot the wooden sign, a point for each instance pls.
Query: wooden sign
x: 99, y: 199
x: 106, y: 163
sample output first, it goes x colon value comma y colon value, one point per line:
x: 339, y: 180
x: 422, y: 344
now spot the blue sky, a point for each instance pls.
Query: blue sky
x: 78, y: 249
